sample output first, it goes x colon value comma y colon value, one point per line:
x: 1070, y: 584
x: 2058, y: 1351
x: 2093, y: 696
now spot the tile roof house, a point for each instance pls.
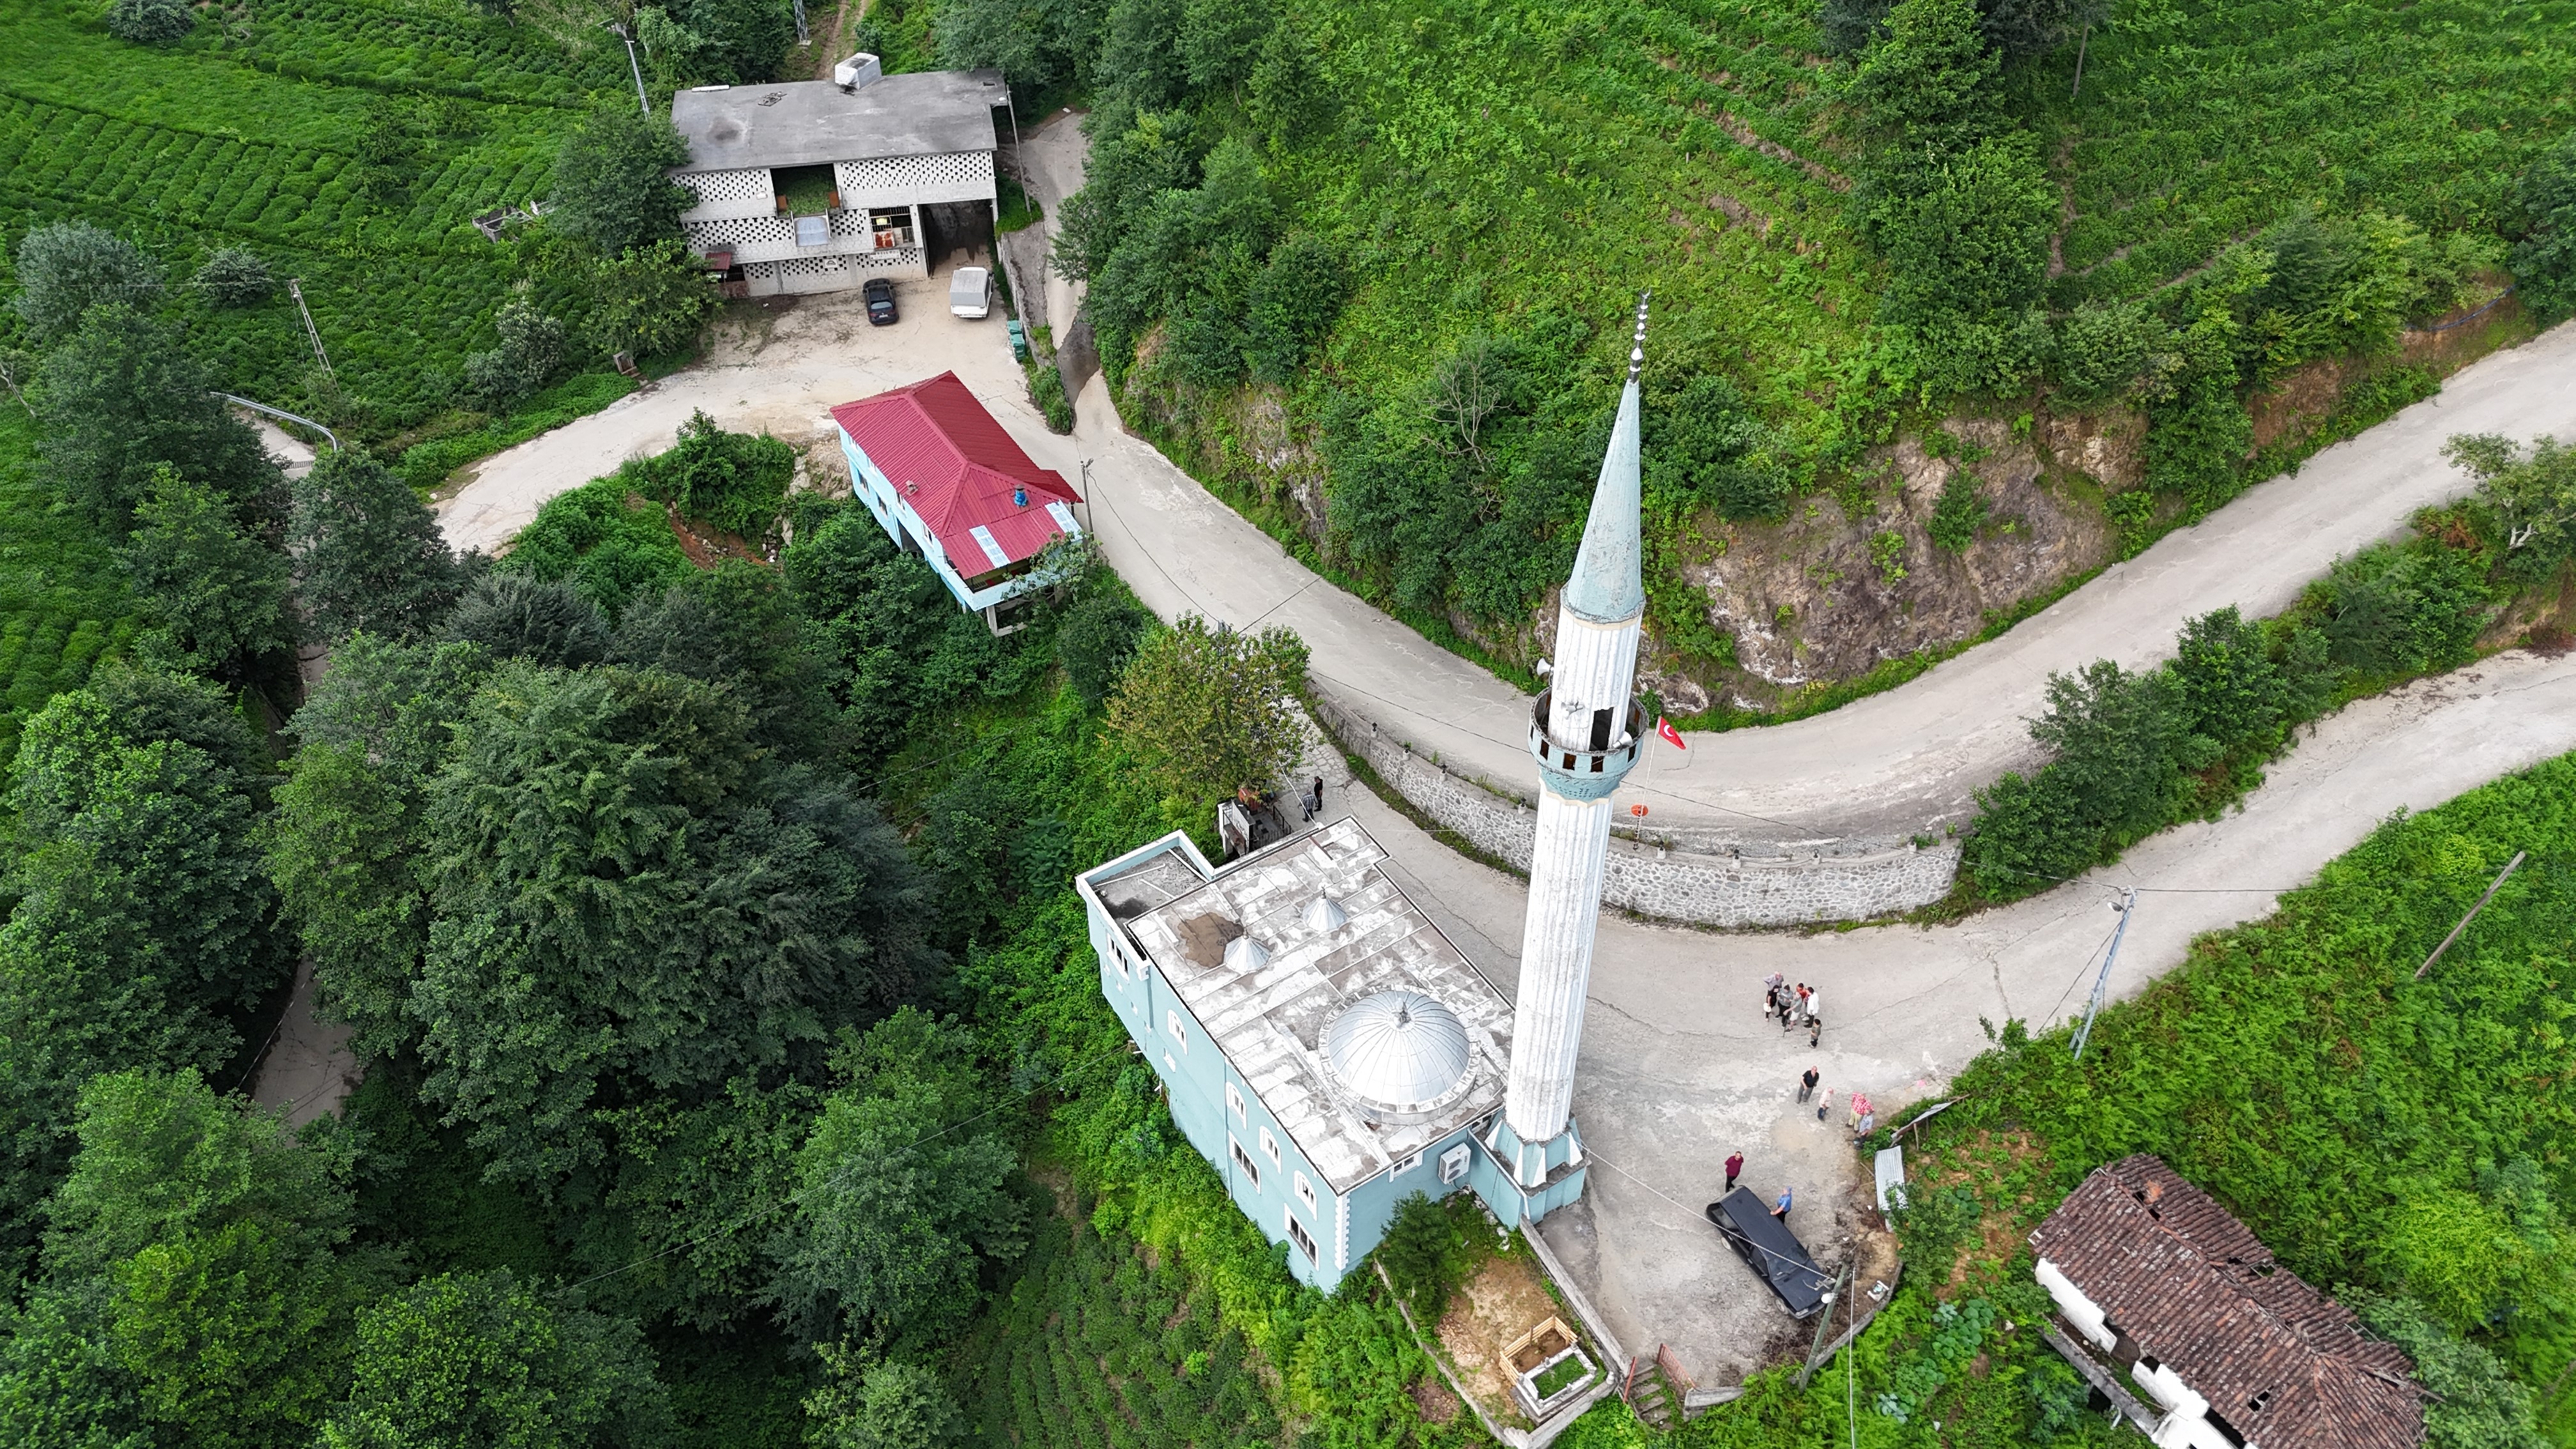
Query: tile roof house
x: 2235, y: 1350
x: 947, y: 482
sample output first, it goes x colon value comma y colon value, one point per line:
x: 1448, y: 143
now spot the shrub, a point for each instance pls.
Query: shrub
x: 735, y: 481
x: 610, y: 545
x: 1292, y: 306
x: 2391, y: 610
x: 517, y: 615
x: 2544, y: 258
x: 1959, y: 513
x: 1429, y: 1249
x: 530, y: 351
x: 2103, y: 349
x: 1046, y: 389
x: 1095, y: 641
x: 1708, y: 444
x: 151, y: 22
x: 71, y: 266
x: 235, y: 277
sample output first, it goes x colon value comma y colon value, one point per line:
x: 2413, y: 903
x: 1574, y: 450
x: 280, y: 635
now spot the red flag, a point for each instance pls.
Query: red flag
x: 1665, y: 728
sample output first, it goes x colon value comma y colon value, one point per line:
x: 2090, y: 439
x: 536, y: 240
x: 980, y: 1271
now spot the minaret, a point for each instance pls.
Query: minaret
x: 1584, y: 736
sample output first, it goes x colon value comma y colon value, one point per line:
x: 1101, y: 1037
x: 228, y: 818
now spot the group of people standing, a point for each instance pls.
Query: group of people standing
x: 1793, y: 1005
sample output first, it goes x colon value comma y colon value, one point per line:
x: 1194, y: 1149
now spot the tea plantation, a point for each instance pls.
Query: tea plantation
x: 346, y: 144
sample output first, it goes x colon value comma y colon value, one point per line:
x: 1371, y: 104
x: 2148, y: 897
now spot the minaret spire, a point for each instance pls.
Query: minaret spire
x: 1584, y: 737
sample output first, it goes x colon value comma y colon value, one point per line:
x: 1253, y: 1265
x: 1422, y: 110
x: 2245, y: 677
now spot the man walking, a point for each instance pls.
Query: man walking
x: 1734, y: 1169
x: 1815, y: 1017
x: 1781, y: 1210
x: 1824, y: 1103
x: 1807, y: 1084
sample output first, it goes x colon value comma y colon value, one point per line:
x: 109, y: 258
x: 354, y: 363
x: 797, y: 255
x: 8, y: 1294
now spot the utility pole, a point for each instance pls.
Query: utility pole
x: 2079, y: 63
x: 1824, y: 1324
x: 295, y: 289
x: 801, y: 37
x: 2492, y: 887
x: 2102, y: 983
x: 637, y: 67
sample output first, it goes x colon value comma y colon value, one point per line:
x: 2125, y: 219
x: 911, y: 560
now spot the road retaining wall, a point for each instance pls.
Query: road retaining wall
x: 1742, y: 887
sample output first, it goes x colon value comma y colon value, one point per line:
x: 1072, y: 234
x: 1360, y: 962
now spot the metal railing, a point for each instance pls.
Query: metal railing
x: 282, y: 413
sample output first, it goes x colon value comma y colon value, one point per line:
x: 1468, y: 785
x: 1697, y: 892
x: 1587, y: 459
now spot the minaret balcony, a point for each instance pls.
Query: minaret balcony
x: 1592, y: 768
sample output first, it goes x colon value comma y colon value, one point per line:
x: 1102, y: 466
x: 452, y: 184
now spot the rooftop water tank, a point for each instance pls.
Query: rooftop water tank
x: 1398, y: 1056
x: 857, y: 71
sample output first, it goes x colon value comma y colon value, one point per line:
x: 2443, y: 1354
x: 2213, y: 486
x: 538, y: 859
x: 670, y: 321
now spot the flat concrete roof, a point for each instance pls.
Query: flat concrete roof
x: 809, y: 123
x: 1269, y: 1019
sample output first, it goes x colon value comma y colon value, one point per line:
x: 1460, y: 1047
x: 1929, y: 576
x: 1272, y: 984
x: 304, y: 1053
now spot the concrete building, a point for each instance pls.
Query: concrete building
x: 2159, y: 1283
x: 814, y: 186
x: 946, y: 482
x: 1320, y: 1041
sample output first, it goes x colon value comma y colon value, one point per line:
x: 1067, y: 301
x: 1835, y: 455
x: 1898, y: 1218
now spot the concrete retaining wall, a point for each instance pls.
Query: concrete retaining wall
x: 1742, y: 888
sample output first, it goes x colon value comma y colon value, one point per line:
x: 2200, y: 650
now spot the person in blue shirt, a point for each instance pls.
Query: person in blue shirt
x: 1782, y: 1210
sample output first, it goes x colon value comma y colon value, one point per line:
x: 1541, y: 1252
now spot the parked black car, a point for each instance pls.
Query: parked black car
x: 1773, y: 1252
x: 880, y: 295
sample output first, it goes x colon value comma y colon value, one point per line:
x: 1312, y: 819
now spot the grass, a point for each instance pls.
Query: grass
x: 348, y: 144
x: 1558, y: 1375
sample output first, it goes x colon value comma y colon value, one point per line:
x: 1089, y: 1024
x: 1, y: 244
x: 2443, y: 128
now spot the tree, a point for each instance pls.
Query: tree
x: 650, y: 300
x: 627, y: 896
x: 2396, y: 611
x: 892, y: 637
x: 122, y: 399
x: 214, y: 1229
x: 530, y: 351
x: 610, y: 183
x: 484, y: 1361
x: 142, y: 920
x: 2232, y: 690
x: 368, y: 553
x: 346, y: 846
x: 516, y: 615
x: 1098, y: 637
x: 2531, y: 492
x: 151, y: 22
x: 71, y: 266
x: 235, y: 277
x: 1930, y: 81
x: 2479, y: 1406
x: 1292, y: 307
x: 1210, y: 708
x: 896, y: 1211
x: 1965, y: 233
x: 874, y: 1403
x: 219, y: 592
x: 1710, y: 446
x: 2544, y: 256
x: 2014, y: 27
x: 735, y: 625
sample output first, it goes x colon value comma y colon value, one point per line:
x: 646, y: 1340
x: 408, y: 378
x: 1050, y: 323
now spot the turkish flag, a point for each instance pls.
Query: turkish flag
x: 1665, y: 728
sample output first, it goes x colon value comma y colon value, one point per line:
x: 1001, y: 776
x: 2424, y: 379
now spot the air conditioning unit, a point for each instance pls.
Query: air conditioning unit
x: 860, y: 69
x: 1453, y: 1165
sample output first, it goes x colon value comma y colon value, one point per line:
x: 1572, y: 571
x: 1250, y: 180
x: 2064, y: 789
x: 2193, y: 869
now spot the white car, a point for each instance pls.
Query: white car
x: 970, y: 293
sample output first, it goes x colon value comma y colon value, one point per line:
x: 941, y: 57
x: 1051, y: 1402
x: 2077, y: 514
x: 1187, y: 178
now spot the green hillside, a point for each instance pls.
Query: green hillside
x: 1469, y: 197
x: 346, y: 144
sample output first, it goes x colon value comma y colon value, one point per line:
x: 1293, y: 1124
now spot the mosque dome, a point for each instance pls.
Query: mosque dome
x: 1397, y: 1056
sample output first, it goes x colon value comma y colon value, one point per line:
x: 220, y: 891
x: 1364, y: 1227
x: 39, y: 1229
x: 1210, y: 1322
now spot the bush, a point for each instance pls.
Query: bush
x: 734, y: 481
x: 2391, y: 611
x: 2103, y: 349
x: 151, y: 22
x: 1046, y: 389
x: 1959, y: 513
x: 520, y: 616
x: 1429, y: 1249
x: 71, y: 266
x: 2544, y: 257
x: 1095, y: 641
x: 235, y: 277
x: 607, y: 542
x: 530, y: 351
x: 1706, y: 443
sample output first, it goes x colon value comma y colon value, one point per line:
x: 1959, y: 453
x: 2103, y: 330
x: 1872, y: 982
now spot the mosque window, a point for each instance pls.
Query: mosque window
x: 1270, y: 1147
x: 1297, y: 1234
x: 1234, y: 1100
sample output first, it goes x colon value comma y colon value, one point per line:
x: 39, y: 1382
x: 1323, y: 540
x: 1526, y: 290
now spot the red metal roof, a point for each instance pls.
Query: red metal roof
x: 955, y: 467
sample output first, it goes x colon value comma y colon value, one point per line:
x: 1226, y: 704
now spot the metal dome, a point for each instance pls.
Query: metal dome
x: 1246, y: 954
x: 1398, y: 1055
x: 1323, y: 913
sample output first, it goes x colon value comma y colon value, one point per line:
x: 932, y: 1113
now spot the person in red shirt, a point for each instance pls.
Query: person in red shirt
x: 1734, y: 1169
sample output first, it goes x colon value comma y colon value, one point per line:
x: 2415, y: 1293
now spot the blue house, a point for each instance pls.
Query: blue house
x: 1320, y: 1041
x: 946, y: 482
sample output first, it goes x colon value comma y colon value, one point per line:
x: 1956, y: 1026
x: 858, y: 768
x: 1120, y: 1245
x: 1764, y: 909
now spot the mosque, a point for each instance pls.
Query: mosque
x: 1320, y: 1041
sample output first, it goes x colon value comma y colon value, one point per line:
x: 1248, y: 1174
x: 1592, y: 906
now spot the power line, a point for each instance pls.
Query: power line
x: 1592, y: 1156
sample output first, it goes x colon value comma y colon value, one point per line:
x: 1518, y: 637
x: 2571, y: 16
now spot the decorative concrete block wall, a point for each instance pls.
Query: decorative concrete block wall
x: 1742, y: 888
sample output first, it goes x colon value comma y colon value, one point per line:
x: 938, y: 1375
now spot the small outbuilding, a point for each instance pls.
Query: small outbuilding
x: 814, y: 186
x: 946, y: 482
x: 2156, y: 1281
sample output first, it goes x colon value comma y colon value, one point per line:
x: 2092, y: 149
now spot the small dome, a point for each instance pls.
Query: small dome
x: 1245, y: 954
x: 1398, y: 1055
x: 1323, y: 913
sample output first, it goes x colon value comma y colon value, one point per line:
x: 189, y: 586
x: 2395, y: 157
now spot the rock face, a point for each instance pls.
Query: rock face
x: 1853, y: 579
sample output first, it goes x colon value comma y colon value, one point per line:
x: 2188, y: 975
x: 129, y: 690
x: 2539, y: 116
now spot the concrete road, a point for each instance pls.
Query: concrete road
x: 1678, y: 1067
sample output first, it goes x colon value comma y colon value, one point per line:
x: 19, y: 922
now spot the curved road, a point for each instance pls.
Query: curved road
x: 1891, y: 765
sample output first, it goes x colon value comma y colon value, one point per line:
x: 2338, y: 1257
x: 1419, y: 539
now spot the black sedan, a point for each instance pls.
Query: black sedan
x: 1773, y: 1252
x: 880, y: 295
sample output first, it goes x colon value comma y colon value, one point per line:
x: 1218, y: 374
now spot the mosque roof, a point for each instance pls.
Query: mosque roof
x: 1361, y: 1028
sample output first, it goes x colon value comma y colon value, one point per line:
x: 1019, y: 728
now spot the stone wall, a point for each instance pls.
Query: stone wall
x: 1743, y: 887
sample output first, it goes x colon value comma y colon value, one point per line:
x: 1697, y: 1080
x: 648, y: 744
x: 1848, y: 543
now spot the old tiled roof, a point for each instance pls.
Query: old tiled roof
x: 955, y: 467
x: 2195, y: 1290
